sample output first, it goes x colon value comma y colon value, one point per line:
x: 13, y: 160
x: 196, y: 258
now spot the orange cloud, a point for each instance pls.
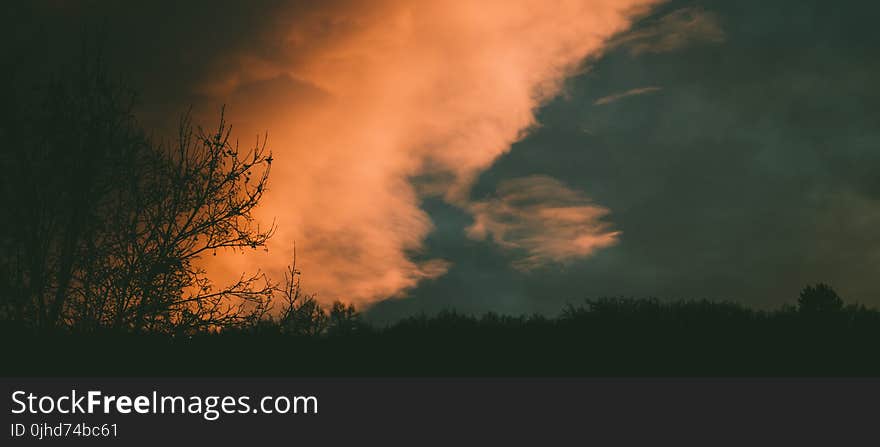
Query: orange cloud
x: 543, y: 218
x: 361, y: 97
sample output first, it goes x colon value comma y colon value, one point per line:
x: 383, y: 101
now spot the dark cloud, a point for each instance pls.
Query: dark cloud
x: 672, y: 31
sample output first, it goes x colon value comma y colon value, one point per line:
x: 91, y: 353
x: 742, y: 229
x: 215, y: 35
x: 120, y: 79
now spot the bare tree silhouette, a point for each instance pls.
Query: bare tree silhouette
x: 105, y: 228
x: 192, y: 201
x: 300, y: 314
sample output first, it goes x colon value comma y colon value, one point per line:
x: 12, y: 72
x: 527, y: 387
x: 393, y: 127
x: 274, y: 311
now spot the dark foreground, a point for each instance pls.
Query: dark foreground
x: 614, y: 338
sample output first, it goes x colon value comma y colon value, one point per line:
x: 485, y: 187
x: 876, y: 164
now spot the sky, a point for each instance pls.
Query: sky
x: 515, y: 156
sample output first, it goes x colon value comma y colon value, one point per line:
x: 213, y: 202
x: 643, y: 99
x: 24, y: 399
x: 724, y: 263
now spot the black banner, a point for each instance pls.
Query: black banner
x: 399, y: 411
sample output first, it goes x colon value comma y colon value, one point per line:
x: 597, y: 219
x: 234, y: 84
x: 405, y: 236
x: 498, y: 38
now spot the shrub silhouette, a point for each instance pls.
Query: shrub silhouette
x: 819, y: 299
x: 344, y: 320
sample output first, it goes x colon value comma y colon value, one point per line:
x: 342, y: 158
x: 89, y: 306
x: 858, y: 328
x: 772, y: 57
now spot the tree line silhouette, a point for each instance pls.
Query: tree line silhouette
x: 820, y: 336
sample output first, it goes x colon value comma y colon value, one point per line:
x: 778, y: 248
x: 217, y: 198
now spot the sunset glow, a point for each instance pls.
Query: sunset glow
x: 358, y: 99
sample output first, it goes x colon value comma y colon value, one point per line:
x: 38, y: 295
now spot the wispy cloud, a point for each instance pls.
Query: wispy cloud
x: 633, y: 92
x: 679, y: 29
x: 543, y: 219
